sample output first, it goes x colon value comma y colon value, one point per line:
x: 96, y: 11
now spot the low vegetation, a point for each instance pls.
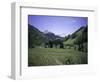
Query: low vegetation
x: 53, y: 56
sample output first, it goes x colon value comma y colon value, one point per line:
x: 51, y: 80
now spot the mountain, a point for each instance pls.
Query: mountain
x: 78, y: 35
x: 52, y: 36
x: 37, y: 38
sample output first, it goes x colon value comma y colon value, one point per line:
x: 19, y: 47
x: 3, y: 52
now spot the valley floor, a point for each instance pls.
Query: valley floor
x: 54, y: 56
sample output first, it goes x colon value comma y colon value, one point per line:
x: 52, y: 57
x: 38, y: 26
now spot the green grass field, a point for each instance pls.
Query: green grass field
x: 53, y: 56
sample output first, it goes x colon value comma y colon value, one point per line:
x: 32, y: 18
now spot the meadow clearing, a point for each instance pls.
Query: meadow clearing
x: 55, y: 56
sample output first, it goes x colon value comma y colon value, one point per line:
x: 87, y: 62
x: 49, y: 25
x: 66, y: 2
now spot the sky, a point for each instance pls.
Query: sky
x: 60, y: 25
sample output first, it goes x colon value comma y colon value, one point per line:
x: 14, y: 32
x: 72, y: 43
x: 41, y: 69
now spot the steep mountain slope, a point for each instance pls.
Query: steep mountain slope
x: 81, y: 33
x: 37, y: 38
x: 52, y: 36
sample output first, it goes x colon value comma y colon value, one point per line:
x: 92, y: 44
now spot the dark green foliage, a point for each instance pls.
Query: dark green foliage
x: 66, y: 38
x: 78, y: 40
x: 55, y: 43
x: 82, y: 39
x: 50, y: 44
x: 61, y: 45
x: 73, y: 36
x: 35, y: 37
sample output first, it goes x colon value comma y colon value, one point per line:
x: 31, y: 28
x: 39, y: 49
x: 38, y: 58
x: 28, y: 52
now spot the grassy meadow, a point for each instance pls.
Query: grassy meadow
x: 55, y: 56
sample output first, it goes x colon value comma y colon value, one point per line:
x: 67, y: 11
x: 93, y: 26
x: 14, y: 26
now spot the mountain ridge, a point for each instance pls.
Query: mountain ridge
x: 36, y: 37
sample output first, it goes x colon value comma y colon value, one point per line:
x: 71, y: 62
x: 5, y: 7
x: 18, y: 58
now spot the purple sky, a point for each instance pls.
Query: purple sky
x: 60, y: 25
